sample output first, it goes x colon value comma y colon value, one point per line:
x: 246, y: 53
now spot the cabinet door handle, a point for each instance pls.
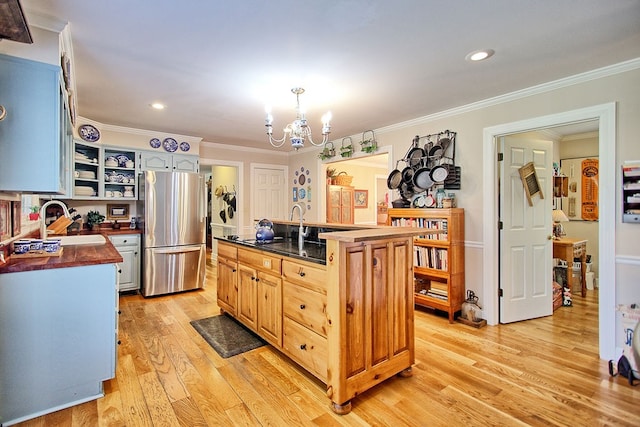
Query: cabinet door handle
x: 303, y: 346
x: 119, y: 342
x: 302, y: 306
x: 124, y: 241
x: 302, y: 274
x: 119, y: 271
x: 234, y: 270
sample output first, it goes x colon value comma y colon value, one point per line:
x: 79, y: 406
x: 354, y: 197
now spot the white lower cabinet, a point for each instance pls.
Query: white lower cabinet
x: 129, y: 269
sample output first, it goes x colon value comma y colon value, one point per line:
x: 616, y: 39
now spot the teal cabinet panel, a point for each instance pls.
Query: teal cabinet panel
x: 36, y: 130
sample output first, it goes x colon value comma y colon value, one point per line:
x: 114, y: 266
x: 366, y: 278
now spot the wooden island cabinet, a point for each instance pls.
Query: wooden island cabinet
x: 347, y: 320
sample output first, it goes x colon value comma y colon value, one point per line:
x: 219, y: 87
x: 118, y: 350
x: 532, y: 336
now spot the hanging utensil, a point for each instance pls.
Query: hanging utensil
x: 395, y: 178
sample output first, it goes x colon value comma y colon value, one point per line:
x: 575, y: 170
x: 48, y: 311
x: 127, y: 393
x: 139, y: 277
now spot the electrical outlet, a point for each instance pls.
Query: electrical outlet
x: 266, y: 263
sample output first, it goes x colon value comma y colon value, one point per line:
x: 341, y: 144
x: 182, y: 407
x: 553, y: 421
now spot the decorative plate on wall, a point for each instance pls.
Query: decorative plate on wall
x: 89, y: 133
x: 170, y: 144
x: 155, y: 143
x: 184, y: 146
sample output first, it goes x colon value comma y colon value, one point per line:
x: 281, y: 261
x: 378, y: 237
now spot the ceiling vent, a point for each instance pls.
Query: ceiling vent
x: 13, y: 23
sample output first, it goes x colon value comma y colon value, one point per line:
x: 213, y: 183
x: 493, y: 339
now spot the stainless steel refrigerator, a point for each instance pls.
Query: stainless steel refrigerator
x: 172, y: 206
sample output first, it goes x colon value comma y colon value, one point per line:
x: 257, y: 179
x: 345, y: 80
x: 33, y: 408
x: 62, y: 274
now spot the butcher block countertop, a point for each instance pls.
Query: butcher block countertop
x: 72, y: 256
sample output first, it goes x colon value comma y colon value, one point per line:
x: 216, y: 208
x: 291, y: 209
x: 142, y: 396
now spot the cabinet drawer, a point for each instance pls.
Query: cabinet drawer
x: 305, y: 307
x: 312, y: 277
x: 227, y: 251
x: 260, y: 260
x: 125, y: 240
x: 306, y: 347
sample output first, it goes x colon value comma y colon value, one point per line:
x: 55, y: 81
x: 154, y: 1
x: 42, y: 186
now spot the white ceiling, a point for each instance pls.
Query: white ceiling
x: 373, y: 63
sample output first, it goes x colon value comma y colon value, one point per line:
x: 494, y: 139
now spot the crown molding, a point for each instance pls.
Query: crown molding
x: 599, y: 73
x: 244, y: 149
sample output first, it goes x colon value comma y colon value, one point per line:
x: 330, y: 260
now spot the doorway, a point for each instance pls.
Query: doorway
x: 605, y: 114
x: 227, y: 176
x: 370, y: 173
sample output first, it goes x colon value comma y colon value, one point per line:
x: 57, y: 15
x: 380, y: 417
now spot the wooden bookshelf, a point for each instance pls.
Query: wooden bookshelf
x: 438, y: 259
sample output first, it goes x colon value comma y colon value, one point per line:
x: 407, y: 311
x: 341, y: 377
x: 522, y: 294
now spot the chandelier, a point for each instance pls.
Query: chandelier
x: 298, y: 131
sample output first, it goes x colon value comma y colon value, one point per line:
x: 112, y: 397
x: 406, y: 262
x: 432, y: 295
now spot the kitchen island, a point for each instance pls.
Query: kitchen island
x: 346, y: 318
x: 58, y: 330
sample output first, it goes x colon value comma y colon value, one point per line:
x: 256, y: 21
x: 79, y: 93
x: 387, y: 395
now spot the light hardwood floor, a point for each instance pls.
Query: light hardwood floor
x: 539, y: 372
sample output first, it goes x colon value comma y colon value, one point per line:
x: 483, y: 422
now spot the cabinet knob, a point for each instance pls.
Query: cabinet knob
x: 119, y: 271
x: 302, y: 274
x: 119, y: 311
x: 303, y: 346
x: 302, y: 306
x: 124, y: 241
x: 119, y: 342
x: 253, y: 278
x: 234, y: 270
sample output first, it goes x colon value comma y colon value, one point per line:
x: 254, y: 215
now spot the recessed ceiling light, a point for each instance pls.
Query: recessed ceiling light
x: 480, y: 55
x: 157, y: 106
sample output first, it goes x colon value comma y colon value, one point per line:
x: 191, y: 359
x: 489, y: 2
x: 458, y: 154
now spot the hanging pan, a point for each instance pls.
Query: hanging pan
x: 407, y: 175
x: 395, y: 178
x: 415, y: 154
x: 422, y: 178
x: 406, y: 191
x: 435, y: 152
x: 439, y: 173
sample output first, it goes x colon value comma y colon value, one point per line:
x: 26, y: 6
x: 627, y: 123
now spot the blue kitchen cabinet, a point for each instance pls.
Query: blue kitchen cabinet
x: 36, y: 133
x: 58, y: 338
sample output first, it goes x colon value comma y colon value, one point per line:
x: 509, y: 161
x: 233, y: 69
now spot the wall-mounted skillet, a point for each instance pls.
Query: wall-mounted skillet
x: 415, y: 156
x: 394, y: 179
x: 407, y: 175
x: 406, y: 190
x: 439, y: 173
x: 422, y: 178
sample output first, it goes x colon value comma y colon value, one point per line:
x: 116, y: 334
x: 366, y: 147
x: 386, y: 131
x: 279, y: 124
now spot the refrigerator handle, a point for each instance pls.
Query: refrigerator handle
x: 178, y: 250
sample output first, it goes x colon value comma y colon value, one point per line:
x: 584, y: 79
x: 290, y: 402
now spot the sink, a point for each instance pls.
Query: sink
x: 88, y: 239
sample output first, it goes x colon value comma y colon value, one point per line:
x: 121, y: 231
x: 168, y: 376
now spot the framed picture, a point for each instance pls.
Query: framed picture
x: 361, y: 198
x: 117, y: 211
x: 580, y: 202
x: 5, y: 219
x: 16, y: 216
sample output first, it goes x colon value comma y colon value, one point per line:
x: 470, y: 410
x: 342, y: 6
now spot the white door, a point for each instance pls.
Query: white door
x: 269, y: 195
x: 525, y: 248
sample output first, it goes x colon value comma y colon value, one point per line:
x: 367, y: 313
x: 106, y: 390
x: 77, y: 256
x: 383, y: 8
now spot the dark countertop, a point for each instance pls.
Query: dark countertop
x: 72, y: 256
x: 312, y: 251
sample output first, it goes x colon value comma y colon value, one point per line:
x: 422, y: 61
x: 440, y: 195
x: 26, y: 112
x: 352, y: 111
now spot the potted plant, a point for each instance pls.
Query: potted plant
x: 369, y: 145
x: 346, y: 149
x: 34, y: 215
x: 94, y: 219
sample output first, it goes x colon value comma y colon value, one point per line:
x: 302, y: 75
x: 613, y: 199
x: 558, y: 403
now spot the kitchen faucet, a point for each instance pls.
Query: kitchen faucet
x: 303, y: 232
x: 43, y: 212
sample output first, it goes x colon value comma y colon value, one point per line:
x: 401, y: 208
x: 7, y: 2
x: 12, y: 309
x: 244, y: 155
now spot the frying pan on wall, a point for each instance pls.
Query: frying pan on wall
x: 422, y: 178
x: 395, y: 178
x: 439, y: 173
x: 407, y: 175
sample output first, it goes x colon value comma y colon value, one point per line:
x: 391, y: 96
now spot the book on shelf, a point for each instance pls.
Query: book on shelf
x: 434, y: 224
x: 433, y: 295
x: 438, y: 292
x: 431, y: 257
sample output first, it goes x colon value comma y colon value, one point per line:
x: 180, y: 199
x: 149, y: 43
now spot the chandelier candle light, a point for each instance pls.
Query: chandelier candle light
x: 298, y: 130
